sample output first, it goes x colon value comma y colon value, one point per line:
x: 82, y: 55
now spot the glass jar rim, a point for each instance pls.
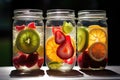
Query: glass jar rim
x: 28, y: 13
x: 92, y: 14
x: 60, y: 13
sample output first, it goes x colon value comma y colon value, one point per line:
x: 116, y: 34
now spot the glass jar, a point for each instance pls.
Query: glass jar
x: 92, y: 39
x: 28, y: 39
x: 60, y: 39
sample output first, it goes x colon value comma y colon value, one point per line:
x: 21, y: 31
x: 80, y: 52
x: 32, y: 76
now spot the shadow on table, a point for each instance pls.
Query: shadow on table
x: 102, y: 73
x: 20, y: 73
x: 71, y: 73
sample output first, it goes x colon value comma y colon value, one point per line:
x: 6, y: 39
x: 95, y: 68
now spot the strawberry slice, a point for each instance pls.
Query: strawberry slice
x: 70, y: 60
x: 59, y: 37
x: 22, y: 60
x: 31, y: 59
x: 65, y: 50
x: 15, y: 62
x: 32, y: 25
x: 40, y: 62
x: 54, y: 29
x: 19, y: 28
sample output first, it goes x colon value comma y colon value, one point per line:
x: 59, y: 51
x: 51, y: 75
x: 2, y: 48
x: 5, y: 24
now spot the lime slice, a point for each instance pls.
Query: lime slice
x: 54, y: 65
x: 67, y: 27
x: 82, y: 38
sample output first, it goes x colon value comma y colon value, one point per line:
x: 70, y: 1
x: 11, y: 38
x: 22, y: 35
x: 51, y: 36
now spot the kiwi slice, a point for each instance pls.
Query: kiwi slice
x: 67, y: 27
x: 28, y: 41
x: 82, y: 39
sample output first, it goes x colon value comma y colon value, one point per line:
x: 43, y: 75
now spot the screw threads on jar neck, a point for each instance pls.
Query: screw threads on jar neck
x: 60, y: 14
x: 93, y: 14
x: 28, y: 13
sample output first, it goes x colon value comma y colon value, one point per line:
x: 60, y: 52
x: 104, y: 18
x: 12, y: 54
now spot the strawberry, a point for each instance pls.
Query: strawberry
x: 54, y: 29
x: 70, y: 60
x: 40, y: 62
x: 31, y: 59
x: 32, y: 25
x: 65, y: 50
x: 59, y: 37
x: 19, y: 28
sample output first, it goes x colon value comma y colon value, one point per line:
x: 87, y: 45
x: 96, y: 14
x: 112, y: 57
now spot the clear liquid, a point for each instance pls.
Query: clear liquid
x: 28, y: 61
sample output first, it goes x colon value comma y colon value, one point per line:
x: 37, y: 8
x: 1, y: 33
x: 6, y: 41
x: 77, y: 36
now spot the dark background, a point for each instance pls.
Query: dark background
x: 8, y: 6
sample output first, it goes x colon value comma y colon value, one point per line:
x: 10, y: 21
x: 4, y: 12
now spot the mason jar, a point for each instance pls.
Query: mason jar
x: 60, y: 39
x: 28, y: 39
x: 92, y: 39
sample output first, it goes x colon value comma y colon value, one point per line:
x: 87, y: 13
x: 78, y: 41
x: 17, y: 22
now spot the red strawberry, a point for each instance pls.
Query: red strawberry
x: 15, y: 62
x: 22, y: 60
x: 59, y: 37
x: 65, y: 50
x: 31, y: 60
x: 54, y: 29
x: 32, y: 25
x: 40, y: 62
x: 19, y: 28
x: 70, y: 60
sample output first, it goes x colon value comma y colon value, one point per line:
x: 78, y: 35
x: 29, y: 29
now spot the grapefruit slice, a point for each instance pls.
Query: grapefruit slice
x: 51, y: 50
x: 98, y: 51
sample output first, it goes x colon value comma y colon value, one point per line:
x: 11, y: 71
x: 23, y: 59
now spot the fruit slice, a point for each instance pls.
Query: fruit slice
x: 54, y: 65
x: 40, y: 61
x: 65, y: 50
x: 28, y: 41
x: 51, y: 50
x: 70, y: 60
x: 67, y: 27
x: 56, y: 28
x: 19, y: 28
x: 32, y: 25
x: 97, y: 34
x: 31, y: 60
x: 82, y: 38
x: 98, y: 51
x: 59, y: 37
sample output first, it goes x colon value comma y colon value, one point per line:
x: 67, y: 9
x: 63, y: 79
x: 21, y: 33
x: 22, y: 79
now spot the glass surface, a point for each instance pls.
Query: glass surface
x: 92, y: 40
x: 28, y: 40
x: 60, y: 40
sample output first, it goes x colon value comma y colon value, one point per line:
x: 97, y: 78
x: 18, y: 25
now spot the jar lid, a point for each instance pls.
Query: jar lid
x: 60, y: 13
x: 91, y: 14
x: 28, y: 13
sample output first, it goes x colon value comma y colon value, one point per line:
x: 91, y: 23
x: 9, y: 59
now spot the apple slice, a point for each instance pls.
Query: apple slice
x: 65, y: 50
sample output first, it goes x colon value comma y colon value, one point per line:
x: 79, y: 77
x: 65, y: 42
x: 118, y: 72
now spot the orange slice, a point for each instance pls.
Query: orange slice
x: 98, y: 51
x: 97, y: 34
x: 51, y: 50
